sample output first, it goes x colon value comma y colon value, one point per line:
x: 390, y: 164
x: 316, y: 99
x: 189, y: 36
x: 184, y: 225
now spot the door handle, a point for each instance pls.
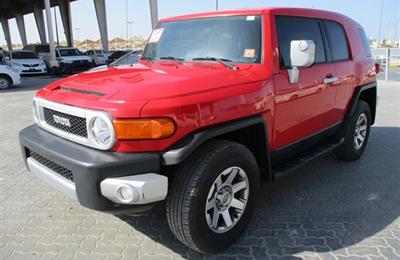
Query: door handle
x: 330, y: 80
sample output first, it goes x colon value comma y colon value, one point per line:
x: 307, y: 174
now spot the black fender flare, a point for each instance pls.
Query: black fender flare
x: 356, y: 97
x: 178, y: 152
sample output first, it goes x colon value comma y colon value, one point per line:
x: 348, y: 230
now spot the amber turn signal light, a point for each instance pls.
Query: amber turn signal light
x: 137, y: 129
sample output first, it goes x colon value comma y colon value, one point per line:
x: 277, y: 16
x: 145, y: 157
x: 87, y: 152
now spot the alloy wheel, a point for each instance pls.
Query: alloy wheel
x: 227, y: 199
x: 360, y: 131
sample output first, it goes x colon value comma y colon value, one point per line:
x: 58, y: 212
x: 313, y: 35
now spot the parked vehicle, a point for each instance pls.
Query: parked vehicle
x: 8, y: 77
x: 202, y: 117
x: 115, y: 55
x: 27, y: 63
x: 128, y: 59
x: 72, y: 60
x: 41, y: 50
x: 99, y: 57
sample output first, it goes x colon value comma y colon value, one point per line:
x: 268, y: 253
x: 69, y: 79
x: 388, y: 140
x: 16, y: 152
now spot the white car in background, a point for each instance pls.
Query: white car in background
x: 26, y: 62
x: 73, y: 59
x: 8, y: 77
x: 98, y: 56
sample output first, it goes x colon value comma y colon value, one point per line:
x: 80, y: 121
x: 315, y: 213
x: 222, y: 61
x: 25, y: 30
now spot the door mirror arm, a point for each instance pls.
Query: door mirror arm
x: 294, y: 73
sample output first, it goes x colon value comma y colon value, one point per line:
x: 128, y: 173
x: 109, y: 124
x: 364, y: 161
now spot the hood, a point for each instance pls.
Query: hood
x: 141, y: 82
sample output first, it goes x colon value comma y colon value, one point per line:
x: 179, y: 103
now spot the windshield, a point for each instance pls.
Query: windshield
x: 234, y: 38
x: 23, y: 55
x: 69, y: 52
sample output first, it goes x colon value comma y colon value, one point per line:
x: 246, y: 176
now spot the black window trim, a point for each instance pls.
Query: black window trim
x: 303, y: 18
x: 324, y: 35
x: 349, y: 52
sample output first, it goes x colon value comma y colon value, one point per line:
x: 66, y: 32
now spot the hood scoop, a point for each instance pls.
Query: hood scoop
x: 81, y: 91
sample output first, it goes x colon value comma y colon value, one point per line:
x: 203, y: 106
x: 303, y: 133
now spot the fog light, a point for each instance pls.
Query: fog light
x: 126, y: 193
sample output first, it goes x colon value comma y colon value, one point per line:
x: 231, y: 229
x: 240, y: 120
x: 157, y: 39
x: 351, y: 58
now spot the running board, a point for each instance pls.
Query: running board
x: 290, y: 165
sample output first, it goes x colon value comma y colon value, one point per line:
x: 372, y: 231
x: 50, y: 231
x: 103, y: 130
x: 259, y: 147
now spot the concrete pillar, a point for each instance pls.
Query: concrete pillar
x: 154, y: 13
x: 38, y: 13
x: 6, y: 31
x: 21, y: 28
x: 52, y: 62
x: 65, y: 11
x: 100, y: 7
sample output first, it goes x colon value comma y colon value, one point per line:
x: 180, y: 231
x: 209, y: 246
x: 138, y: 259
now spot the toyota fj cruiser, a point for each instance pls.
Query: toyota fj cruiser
x: 217, y: 102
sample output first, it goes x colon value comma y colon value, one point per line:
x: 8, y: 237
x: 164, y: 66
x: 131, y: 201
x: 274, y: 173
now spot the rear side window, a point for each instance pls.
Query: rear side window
x: 291, y: 29
x: 364, y: 40
x: 338, y: 45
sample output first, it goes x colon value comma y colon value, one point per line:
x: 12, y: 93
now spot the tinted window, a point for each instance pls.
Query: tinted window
x: 69, y: 52
x: 19, y: 55
x: 292, y: 29
x: 236, y: 38
x: 337, y: 41
x: 364, y: 40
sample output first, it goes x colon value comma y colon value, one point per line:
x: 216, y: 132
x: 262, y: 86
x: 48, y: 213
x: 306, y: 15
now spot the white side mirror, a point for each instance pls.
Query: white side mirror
x: 302, y: 55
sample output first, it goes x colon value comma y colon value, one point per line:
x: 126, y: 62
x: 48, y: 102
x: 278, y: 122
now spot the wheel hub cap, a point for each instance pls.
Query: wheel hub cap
x: 224, y: 198
x: 3, y: 83
x: 227, y: 199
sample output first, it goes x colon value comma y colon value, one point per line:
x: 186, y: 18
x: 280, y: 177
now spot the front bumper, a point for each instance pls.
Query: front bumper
x: 34, y: 71
x: 88, y: 169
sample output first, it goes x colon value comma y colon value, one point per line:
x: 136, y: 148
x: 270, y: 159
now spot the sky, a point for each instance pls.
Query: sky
x: 366, y: 12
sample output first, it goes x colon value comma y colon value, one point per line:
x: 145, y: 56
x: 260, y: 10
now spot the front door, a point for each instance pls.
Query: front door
x: 306, y: 107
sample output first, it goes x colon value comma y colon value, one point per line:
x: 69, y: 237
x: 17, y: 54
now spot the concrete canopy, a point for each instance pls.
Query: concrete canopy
x: 9, y: 8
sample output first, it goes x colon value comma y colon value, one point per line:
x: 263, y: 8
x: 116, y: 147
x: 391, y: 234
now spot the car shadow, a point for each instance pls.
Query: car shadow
x: 324, y: 206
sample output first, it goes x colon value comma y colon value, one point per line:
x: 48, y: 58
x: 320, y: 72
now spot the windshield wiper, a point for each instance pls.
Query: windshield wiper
x: 180, y: 60
x: 226, y: 62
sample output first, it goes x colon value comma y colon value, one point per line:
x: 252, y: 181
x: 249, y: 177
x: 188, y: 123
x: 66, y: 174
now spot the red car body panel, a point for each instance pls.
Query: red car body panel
x: 200, y: 94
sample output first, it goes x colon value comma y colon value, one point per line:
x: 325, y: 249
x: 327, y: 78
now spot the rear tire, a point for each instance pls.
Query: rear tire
x: 5, y: 82
x: 213, y: 196
x: 356, y: 134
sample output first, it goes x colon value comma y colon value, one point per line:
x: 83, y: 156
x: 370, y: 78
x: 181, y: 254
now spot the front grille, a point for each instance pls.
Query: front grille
x: 63, y: 172
x: 77, y: 124
x: 30, y: 65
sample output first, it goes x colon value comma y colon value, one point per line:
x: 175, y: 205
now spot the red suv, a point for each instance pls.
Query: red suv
x: 217, y: 102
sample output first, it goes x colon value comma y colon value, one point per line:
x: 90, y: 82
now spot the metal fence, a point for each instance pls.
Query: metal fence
x: 389, y: 58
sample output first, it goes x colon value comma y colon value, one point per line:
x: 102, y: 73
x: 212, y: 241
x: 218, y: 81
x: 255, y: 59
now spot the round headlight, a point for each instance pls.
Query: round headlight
x: 101, y: 131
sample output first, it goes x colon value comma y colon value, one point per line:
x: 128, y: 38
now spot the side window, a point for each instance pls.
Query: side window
x: 338, y: 45
x: 290, y: 29
x: 364, y: 40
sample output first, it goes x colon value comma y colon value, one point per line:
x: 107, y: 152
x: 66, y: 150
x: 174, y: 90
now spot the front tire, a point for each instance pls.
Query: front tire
x: 213, y: 196
x: 5, y: 82
x: 356, y: 134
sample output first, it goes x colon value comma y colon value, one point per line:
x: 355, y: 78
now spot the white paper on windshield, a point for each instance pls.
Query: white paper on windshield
x: 156, y: 35
x: 249, y: 53
x: 251, y: 18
